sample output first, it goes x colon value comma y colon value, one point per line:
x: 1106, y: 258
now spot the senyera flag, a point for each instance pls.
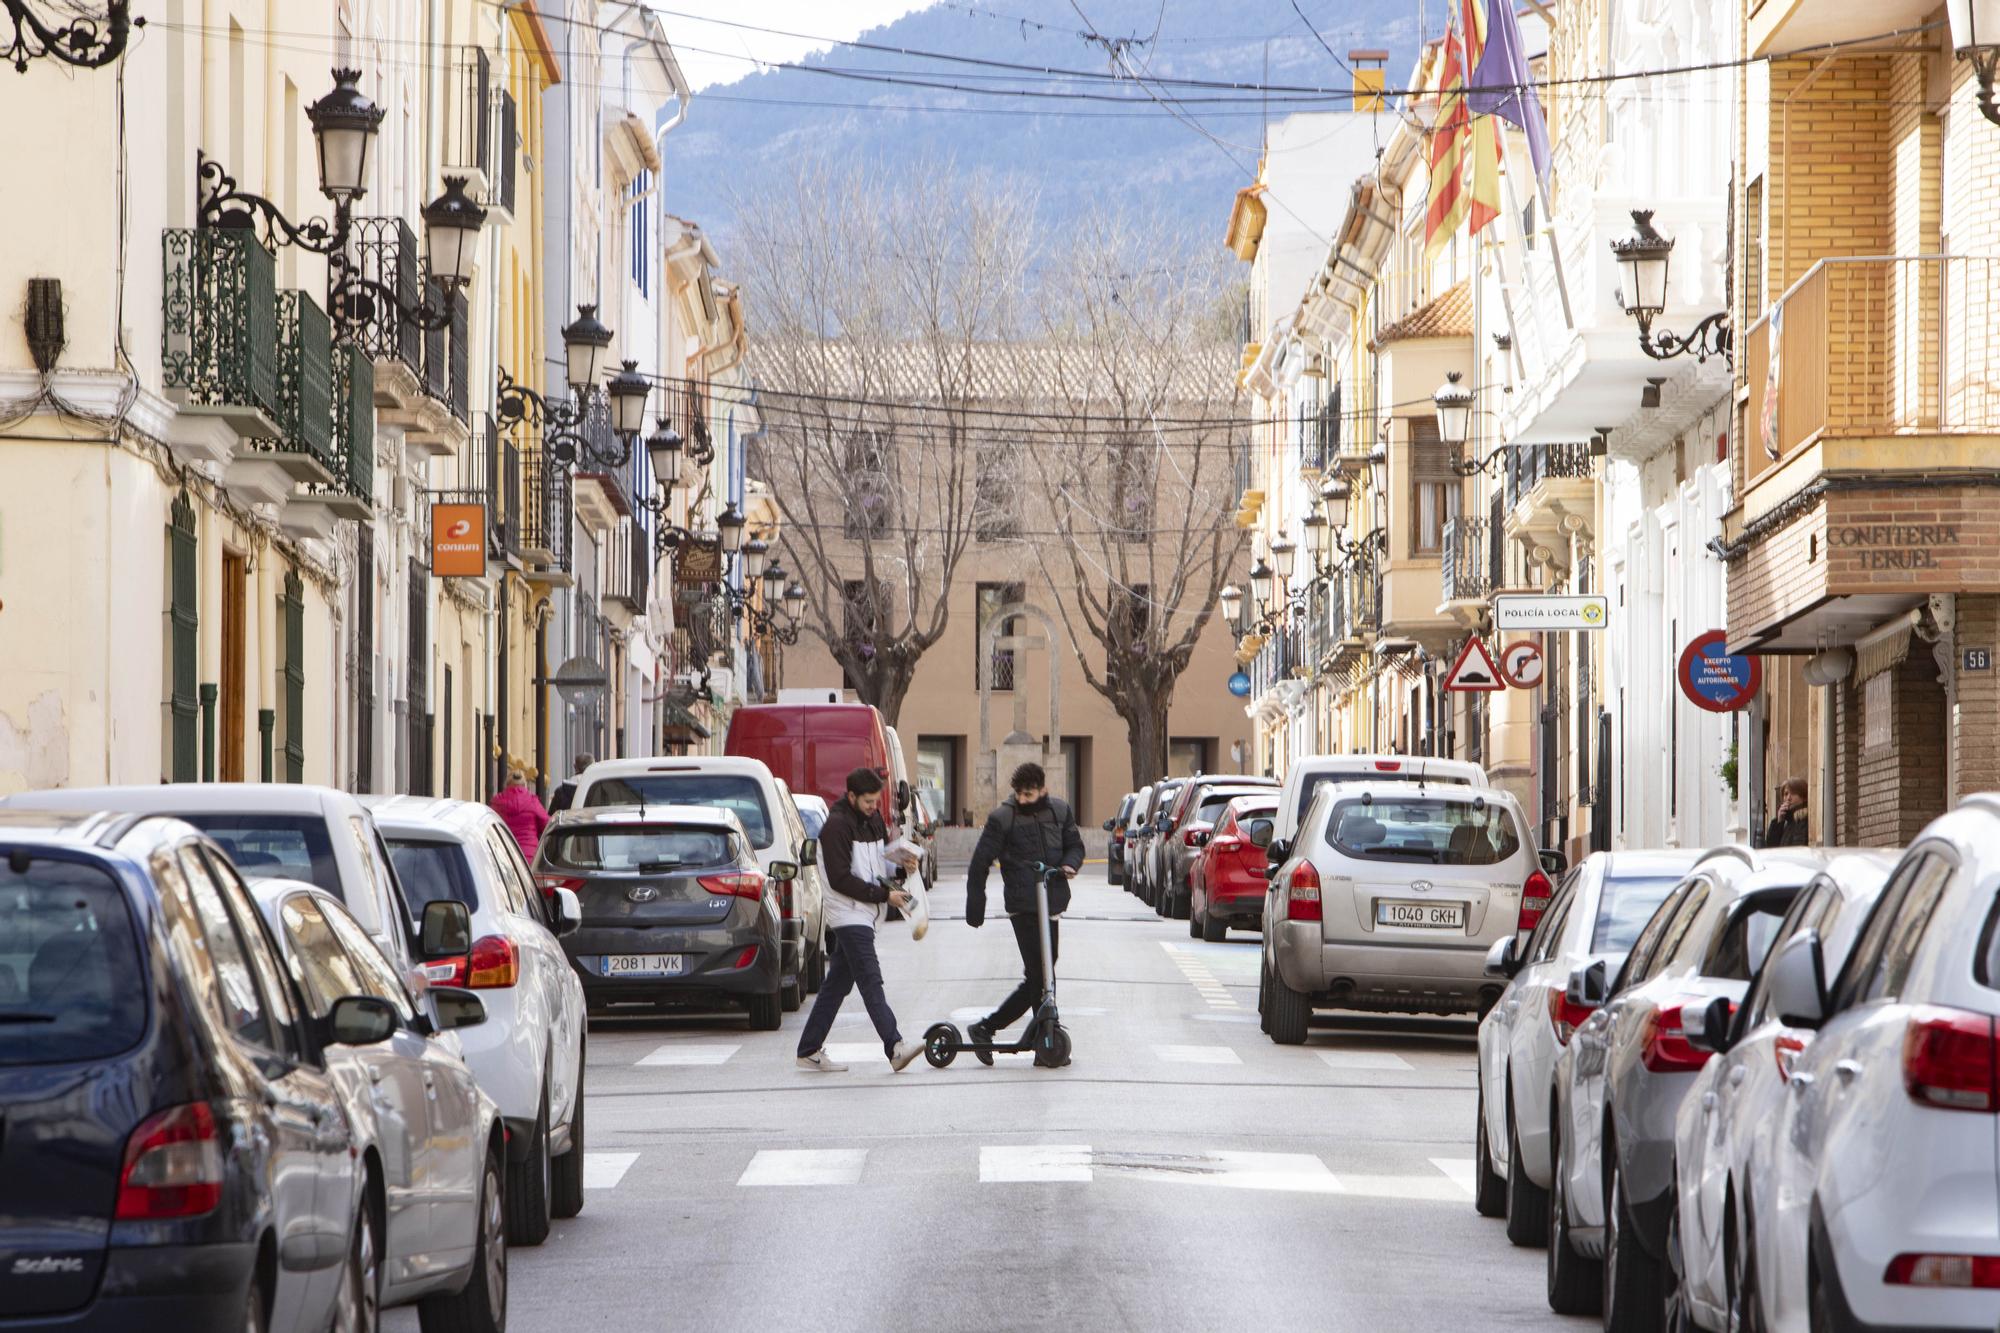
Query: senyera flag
x: 1461, y: 144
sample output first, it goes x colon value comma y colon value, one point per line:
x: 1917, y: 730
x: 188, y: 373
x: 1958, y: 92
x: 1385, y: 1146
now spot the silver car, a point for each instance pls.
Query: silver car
x: 1389, y: 900
x: 1600, y: 906
x: 1620, y: 1081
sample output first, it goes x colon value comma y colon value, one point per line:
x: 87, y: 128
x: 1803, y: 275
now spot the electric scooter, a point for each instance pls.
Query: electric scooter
x: 1045, y: 1034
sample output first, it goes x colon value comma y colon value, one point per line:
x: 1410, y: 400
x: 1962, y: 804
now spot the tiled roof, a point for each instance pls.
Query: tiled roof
x: 1447, y: 316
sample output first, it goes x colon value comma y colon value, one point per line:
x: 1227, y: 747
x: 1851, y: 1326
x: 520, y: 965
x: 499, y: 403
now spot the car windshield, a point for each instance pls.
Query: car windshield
x: 736, y: 792
x: 1431, y: 830
x: 432, y: 872
x: 813, y: 818
x: 276, y: 846
x: 635, y: 848
x: 1625, y: 907
x: 1738, y: 951
x: 72, y: 986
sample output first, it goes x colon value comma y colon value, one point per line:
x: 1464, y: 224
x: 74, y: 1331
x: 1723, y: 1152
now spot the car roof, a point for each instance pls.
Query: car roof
x: 186, y: 797
x: 1648, y: 863
x: 662, y: 813
x: 813, y: 799
x: 700, y: 763
x: 428, y: 814
x: 69, y: 828
x: 1402, y: 790
x: 1857, y: 873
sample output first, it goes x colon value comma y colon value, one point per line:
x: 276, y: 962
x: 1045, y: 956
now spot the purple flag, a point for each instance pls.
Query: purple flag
x: 1500, y: 83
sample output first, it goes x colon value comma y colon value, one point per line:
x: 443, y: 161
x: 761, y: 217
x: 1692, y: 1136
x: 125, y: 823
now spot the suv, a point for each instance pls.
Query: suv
x: 1389, y: 900
x: 528, y: 1054
x: 1308, y: 775
x: 1145, y: 843
x: 1189, y: 823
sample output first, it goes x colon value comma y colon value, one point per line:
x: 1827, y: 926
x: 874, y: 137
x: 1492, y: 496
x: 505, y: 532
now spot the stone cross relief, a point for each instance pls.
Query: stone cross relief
x: 1020, y: 645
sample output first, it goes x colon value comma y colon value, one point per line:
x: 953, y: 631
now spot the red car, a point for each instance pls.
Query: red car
x: 1226, y: 883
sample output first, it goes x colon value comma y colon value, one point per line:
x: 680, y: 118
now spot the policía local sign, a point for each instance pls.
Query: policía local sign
x: 1712, y: 678
x: 1539, y: 611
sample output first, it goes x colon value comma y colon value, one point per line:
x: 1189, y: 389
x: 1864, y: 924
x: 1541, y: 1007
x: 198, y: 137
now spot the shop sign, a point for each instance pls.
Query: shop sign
x: 1239, y: 684
x: 1892, y: 545
x: 1715, y: 679
x: 698, y: 562
x: 458, y: 540
x: 1538, y: 611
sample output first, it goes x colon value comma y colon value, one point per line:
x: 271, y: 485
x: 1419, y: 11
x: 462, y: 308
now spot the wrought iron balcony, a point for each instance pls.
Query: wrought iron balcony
x: 1531, y: 465
x: 386, y: 251
x: 351, y: 493
x: 305, y: 390
x: 219, y: 344
x: 545, y: 509
x: 628, y: 568
x: 447, y: 358
x: 1467, y: 575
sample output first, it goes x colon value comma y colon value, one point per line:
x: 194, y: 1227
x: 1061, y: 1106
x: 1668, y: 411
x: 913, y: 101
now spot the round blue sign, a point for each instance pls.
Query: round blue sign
x: 1239, y: 684
x: 1714, y: 679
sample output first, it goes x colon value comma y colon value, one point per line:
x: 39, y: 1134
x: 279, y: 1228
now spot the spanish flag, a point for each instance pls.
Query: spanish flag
x: 1461, y: 146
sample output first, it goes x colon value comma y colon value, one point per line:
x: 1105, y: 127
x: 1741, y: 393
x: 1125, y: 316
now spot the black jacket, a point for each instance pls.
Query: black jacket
x: 844, y: 827
x: 1017, y: 838
x: 1787, y: 830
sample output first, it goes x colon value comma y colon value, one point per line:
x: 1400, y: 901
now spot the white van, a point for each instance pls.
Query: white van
x: 1308, y: 775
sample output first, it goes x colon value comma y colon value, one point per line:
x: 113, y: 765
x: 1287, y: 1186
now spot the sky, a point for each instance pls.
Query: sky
x: 687, y: 29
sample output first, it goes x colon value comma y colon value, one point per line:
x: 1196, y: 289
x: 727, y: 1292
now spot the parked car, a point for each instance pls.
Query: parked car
x: 1879, y: 1207
x: 676, y: 908
x: 1423, y: 880
x: 528, y: 1054
x: 749, y: 789
x: 1114, y: 848
x: 1146, y: 858
x: 432, y: 1144
x: 1189, y: 823
x: 316, y: 834
x: 1620, y: 1080
x: 1599, y: 908
x: 170, y: 1114
x: 1724, y: 1135
x: 1308, y: 775
x: 1226, y: 886
x: 813, y: 810
x: 1135, y: 821
x: 812, y: 746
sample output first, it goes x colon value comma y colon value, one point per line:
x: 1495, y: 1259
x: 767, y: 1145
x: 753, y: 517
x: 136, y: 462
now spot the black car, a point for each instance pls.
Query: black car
x: 676, y: 911
x: 174, y: 1154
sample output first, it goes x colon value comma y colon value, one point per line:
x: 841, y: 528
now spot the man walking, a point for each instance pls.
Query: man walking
x: 564, y: 796
x: 1029, y: 835
x: 859, y: 882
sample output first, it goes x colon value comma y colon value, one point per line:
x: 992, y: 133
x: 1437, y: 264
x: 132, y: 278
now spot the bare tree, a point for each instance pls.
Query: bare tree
x: 872, y: 309
x: 1143, y: 491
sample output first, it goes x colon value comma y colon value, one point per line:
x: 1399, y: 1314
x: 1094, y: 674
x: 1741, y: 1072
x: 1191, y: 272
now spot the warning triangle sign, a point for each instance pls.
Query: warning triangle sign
x: 1473, y: 669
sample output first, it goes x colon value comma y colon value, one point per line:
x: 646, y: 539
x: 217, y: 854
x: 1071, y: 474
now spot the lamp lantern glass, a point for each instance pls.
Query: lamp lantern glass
x: 1454, y: 411
x: 729, y: 525
x: 1260, y: 581
x: 1378, y: 471
x: 344, y: 125
x: 1315, y: 526
x: 795, y: 592
x: 1284, y: 555
x: 1230, y: 599
x: 628, y: 391
x: 665, y: 448
x: 1334, y: 494
x: 452, y: 223
x: 1642, y: 267
x: 775, y: 579
x: 755, y: 552
x: 585, y: 343
x: 1974, y: 24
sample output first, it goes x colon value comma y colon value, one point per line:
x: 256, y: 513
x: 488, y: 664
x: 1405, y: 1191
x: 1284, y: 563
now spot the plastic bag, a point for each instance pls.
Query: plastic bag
x: 919, y: 911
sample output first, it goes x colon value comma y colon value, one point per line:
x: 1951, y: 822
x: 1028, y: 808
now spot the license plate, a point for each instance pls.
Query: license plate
x: 1428, y: 916
x: 640, y: 965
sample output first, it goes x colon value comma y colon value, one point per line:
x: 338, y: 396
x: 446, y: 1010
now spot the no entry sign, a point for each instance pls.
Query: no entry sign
x: 1711, y: 678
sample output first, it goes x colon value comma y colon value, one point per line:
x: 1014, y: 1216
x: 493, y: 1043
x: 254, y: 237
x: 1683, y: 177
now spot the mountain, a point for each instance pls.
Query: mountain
x: 742, y: 138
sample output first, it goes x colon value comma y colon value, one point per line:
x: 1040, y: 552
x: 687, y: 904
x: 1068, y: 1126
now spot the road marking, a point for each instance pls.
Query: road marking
x: 603, y: 1170
x: 1288, y: 1172
x: 804, y: 1166
x: 1198, y: 1055
x: 1224, y: 1018
x: 692, y: 1053
x: 965, y: 1018
x: 1198, y: 975
x: 857, y: 1052
x: 1035, y: 1163
x: 1460, y: 1171
x: 1364, y: 1060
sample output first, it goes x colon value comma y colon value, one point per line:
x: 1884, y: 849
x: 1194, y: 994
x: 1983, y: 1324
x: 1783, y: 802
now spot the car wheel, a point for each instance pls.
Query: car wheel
x: 1575, y: 1284
x: 1263, y: 992
x: 1194, y: 925
x: 253, y: 1307
x: 1287, y: 1013
x: 767, y: 1012
x: 528, y: 1185
x: 1527, y: 1202
x: 791, y: 995
x: 566, y: 1178
x: 1819, y: 1306
x: 1633, y: 1299
x: 358, y: 1307
x: 1181, y: 905
x: 481, y: 1305
x: 816, y: 971
x: 1739, y: 1258
x: 1212, y: 930
x: 1489, y: 1189
x: 1677, y: 1316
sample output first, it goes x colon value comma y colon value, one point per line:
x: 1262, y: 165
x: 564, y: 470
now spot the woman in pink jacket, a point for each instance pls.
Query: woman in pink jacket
x: 523, y: 813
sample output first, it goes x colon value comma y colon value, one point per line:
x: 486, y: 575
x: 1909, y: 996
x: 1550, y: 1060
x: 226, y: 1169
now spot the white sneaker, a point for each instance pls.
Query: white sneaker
x: 823, y: 1062
x: 905, y: 1052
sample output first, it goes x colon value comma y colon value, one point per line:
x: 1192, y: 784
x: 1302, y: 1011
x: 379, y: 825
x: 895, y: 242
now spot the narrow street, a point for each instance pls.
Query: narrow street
x: 1182, y: 1173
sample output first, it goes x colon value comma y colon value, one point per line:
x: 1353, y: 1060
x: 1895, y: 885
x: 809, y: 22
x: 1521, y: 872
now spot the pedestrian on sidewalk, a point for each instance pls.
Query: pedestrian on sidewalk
x: 861, y: 880
x: 521, y: 810
x: 564, y: 796
x: 1788, y: 826
x: 1029, y: 835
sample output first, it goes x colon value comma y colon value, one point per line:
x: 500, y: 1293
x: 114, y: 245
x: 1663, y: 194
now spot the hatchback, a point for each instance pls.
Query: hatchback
x: 1146, y: 847
x: 1189, y: 823
x: 1226, y: 887
x: 676, y: 910
x: 1389, y: 900
x: 1128, y: 847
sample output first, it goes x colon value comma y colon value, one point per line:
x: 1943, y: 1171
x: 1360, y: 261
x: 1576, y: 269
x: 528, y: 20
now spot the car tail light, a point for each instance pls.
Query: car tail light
x: 747, y: 957
x: 1566, y: 1016
x: 1228, y: 842
x: 1388, y: 765
x: 785, y: 899
x: 550, y: 883
x: 1302, y: 893
x: 492, y: 964
x: 445, y: 971
x: 1785, y: 1049
x: 741, y: 883
x: 1948, y: 1060
x: 1194, y: 831
x: 1535, y: 895
x: 1943, y: 1270
x: 173, y: 1166
x: 1666, y: 1049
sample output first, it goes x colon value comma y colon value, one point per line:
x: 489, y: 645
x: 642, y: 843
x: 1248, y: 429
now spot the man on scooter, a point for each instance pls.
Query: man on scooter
x: 1031, y: 834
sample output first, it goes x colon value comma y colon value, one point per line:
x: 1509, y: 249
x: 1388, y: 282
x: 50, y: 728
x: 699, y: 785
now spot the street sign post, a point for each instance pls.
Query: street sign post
x: 1473, y: 668
x: 1716, y: 680
x: 1521, y: 665
x: 1539, y: 611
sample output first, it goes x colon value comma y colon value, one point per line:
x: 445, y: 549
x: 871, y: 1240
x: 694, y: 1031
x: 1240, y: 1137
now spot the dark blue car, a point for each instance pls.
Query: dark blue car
x: 172, y: 1151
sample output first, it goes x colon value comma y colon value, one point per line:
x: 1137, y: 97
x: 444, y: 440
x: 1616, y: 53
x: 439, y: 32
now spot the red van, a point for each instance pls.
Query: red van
x: 811, y: 746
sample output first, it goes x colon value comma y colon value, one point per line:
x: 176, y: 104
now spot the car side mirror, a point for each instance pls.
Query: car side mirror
x: 1277, y: 852
x: 1798, y: 981
x: 1500, y: 960
x: 809, y: 852
x: 447, y: 929
x: 784, y: 870
x: 1554, y: 864
x: 1707, y: 1028
x: 903, y: 794
x: 568, y: 910
x: 1201, y: 838
x: 1110, y: 824
x: 1587, y: 985
x: 457, y: 1008
x: 1261, y: 832
x: 359, y: 1020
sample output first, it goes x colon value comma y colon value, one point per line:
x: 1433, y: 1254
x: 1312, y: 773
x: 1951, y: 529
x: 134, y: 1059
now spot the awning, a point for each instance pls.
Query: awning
x: 1884, y: 647
x: 680, y: 718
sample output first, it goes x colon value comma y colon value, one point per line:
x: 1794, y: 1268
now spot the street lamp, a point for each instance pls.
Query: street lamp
x: 755, y: 552
x: 1284, y: 555
x: 1453, y: 402
x: 628, y: 390
x: 80, y: 42
x: 1975, y: 35
x: 1378, y: 471
x: 1260, y: 582
x: 585, y: 340
x: 665, y: 447
x: 344, y: 123
x: 775, y: 579
x: 1230, y: 599
x: 1334, y: 495
x: 729, y: 524
x: 1314, y: 526
x: 1643, y: 256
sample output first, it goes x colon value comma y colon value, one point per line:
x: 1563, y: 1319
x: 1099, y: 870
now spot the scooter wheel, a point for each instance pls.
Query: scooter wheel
x: 1061, y: 1044
x: 1052, y: 1046
x: 941, y: 1043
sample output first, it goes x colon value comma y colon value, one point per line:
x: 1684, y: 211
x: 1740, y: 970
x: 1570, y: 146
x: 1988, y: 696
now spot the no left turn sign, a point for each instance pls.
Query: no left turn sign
x: 1521, y: 665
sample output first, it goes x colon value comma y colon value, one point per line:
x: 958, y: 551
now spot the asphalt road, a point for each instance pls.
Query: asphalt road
x: 1182, y: 1173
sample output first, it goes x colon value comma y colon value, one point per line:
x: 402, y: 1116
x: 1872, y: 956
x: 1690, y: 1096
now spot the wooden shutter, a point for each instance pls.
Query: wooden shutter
x: 292, y: 620
x: 183, y: 624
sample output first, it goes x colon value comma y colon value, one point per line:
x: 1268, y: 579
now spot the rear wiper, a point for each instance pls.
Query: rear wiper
x: 22, y: 1016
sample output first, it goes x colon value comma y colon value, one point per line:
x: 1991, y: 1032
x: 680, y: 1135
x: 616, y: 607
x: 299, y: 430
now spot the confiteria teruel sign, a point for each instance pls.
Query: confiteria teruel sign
x: 1893, y: 545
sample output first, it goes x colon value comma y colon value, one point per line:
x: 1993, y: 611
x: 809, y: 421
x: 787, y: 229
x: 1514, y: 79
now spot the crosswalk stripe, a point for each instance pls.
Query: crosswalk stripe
x: 804, y: 1166
x: 857, y: 1052
x: 692, y: 1053
x: 603, y: 1170
x: 1364, y: 1060
x: 1198, y: 1055
x: 1459, y: 1169
x: 1036, y: 1162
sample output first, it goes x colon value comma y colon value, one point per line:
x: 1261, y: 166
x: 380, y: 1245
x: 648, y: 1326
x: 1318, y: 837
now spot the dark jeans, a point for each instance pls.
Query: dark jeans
x: 1027, y: 935
x: 853, y: 963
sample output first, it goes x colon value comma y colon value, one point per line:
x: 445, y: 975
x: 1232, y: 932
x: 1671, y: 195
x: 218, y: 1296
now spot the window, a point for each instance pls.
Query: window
x: 264, y: 846
x: 646, y: 849
x: 741, y: 795
x: 256, y: 942
x: 870, y: 495
x: 1739, y: 948
x: 517, y: 881
x: 641, y: 277
x: 1899, y: 897
x: 1677, y: 931
x: 183, y: 622
x: 865, y: 620
x: 937, y: 771
x: 1884, y: 980
x: 378, y: 976
x: 1423, y: 829
x: 432, y: 871
x: 996, y: 511
x: 1548, y: 931
x: 235, y: 999
x: 991, y: 599
x: 324, y: 971
x: 69, y: 962
x: 1434, y: 487
x: 1648, y: 942
x: 235, y: 569
x: 1623, y: 908
x: 1809, y: 911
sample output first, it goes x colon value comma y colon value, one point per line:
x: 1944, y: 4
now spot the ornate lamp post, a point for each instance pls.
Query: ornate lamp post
x: 1643, y: 255
x: 585, y: 341
x: 85, y: 41
x: 1453, y: 404
x: 1975, y: 36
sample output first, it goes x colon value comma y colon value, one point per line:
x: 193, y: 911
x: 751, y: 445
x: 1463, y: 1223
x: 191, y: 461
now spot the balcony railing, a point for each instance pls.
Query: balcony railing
x: 508, y: 150
x: 1358, y: 603
x: 1467, y: 575
x: 352, y: 490
x: 305, y: 380
x: 1876, y: 347
x: 1530, y: 465
x: 470, y: 145
x: 627, y: 568
x: 219, y: 345
x: 447, y: 359
x: 385, y: 250
x: 545, y: 504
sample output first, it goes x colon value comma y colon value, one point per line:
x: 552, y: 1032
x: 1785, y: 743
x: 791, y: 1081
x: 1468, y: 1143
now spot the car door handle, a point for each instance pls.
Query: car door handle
x: 1800, y: 1082
x: 1708, y: 1103
x: 374, y: 1073
x: 1737, y: 1075
x: 1849, y: 1070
